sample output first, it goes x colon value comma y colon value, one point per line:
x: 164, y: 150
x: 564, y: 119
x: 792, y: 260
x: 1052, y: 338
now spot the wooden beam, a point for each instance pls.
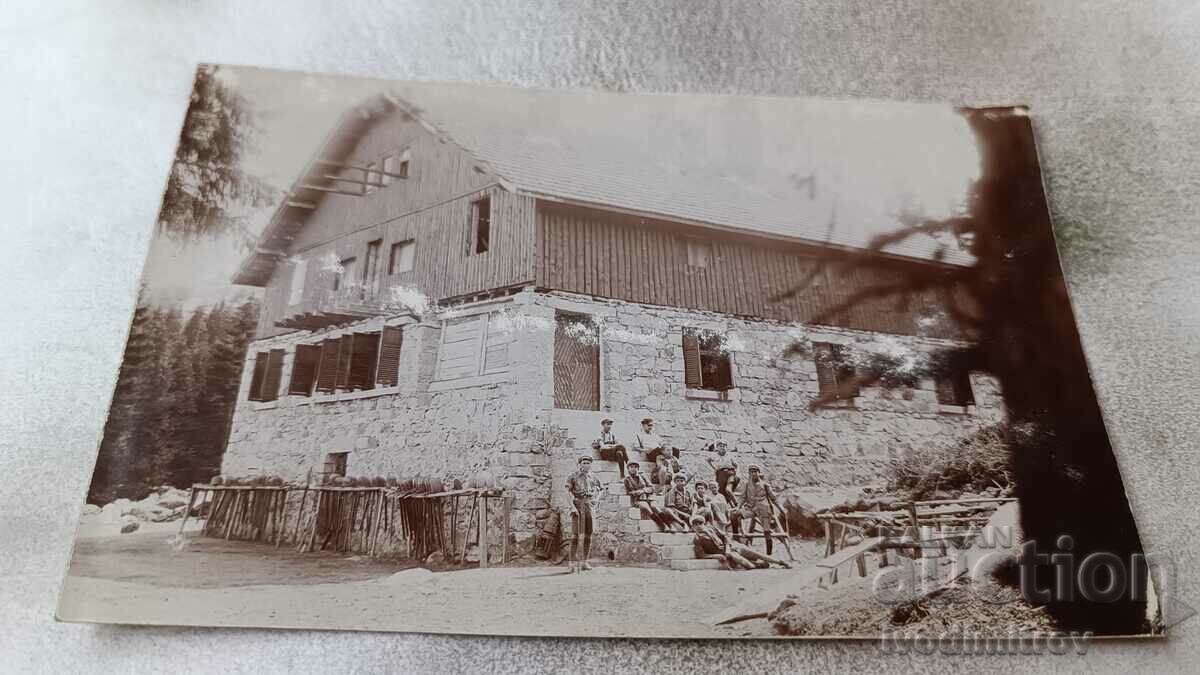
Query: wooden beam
x: 342, y: 165
x: 353, y: 180
x: 300, y: 205
x: 325, y: 189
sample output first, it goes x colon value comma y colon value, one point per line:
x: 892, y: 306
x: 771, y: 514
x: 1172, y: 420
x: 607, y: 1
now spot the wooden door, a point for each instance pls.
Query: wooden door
x: 576, y: 362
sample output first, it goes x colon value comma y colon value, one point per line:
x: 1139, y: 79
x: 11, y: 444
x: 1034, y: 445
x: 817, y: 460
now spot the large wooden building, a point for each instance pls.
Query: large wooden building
x: 471, y: 276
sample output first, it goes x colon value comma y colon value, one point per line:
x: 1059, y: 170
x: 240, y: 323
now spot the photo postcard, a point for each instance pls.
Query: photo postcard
x: 456, y: 358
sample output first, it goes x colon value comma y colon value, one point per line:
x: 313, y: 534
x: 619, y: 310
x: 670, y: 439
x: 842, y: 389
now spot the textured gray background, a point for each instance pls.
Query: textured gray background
x: 92, y: 93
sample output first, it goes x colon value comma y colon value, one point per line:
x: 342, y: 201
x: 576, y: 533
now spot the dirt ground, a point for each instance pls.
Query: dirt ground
x: 142, y: 578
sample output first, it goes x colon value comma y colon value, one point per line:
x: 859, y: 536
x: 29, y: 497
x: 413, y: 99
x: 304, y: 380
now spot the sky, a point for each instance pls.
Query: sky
x: 872, y: 159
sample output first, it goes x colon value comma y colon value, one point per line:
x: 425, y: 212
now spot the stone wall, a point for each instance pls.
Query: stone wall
x: 510, y: 424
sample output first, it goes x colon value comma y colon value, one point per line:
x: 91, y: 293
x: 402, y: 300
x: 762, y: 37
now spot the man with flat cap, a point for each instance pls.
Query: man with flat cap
x: 651, y: 443
x: 756, y: 503
x: 585, y: 493
x: 638, y: 487
x: 610, y: 450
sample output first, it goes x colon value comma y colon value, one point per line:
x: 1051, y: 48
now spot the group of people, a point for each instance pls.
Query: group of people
x: 716, y: 512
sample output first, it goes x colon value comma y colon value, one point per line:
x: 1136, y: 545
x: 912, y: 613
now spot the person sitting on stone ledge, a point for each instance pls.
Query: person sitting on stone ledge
x: 610, y: 450
x: 651, y: 443
x: 718, y: 507
x: 664, y: 470
x: 707, y: 504
x: 640, y: 491
x: 714, y: 544
x: 680, y: 500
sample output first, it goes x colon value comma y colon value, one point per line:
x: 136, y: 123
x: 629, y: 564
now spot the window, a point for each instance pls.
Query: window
x: 699, y: 252
x: 304, y: 370
x: 346, y: 271
x: 370, y: 175
x: 836, y: 375
x: 335, y: 464
x: 353, y: 362
x: 371, y: 268
x: 706, y: 363
x: 481, y: 219
x: 576, y: 362
x: 389, y: 356
x: 402, y: 256
x: 402, y: 166
x: 471, y: 346
x: 268, y: 371
x: 954, y: 388
x: 299, y: 272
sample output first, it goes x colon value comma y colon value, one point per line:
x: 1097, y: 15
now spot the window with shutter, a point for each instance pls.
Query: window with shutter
x: 402, y: 256
x: 954, y: 388
x: 345, y: 356
x: 259, y: 374
x: 691, y: 361
x: 304, y: 370
x: 706, y: 363
x: 835, y: 374
x: 327, y: 368
x: 273, y: 376
x: 363, y: 361
x: 389, y: 356
x: 472, y: 346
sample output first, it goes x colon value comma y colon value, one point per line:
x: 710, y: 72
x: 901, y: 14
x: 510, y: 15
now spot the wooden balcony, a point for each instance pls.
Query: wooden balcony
x: 332, y: 308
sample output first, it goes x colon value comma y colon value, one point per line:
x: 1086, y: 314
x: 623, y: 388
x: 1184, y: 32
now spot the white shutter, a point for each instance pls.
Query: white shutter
x: 299, y: 273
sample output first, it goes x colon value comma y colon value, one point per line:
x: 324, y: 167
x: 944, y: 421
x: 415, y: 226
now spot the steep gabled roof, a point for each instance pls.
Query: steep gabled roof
x: 756, y: 165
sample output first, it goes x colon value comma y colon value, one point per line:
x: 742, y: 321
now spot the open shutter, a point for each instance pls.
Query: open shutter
x: 389, y: 356
x: 260, y: 373
x: 826, y: 369
x: 304, y: 370
x: 691, y: 361
x: 274, y: 375
x: 362, y: 364
x: 345, y: 353
x: 327, y: 371
x: 846, y: 373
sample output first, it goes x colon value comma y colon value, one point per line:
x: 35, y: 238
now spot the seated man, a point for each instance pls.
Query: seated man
x: 640, y: 490
x: 679, y: 500
x: 714, y: 507
x: 712, y: 543
x: 756, y: 504
x: 610, y: 449
x: 664, y: 471
x: 651, y: 443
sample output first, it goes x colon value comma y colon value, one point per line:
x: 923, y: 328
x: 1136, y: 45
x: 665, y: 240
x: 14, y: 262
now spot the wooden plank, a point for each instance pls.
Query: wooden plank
x: 762, y: 603
x: 850, y: 552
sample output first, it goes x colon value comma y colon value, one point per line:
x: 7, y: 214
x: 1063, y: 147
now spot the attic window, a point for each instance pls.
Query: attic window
x: 395, y: 164
x: 699, y: 252
x: 481, y: 225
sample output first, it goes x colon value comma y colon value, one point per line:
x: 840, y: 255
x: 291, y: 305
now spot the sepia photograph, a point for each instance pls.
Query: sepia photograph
x: 457, y: 358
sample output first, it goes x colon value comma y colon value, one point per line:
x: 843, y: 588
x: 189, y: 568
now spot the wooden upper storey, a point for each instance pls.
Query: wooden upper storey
x: 419, y: 234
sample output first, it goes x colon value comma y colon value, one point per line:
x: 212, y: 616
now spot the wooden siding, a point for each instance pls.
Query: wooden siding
x: 611, y: 255
x: 432, y: 207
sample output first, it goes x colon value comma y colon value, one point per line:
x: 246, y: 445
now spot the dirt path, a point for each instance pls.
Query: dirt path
x: 141, y: 579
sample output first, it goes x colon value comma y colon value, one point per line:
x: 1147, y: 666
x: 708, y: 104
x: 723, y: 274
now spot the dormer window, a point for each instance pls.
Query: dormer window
x: 481, y: 225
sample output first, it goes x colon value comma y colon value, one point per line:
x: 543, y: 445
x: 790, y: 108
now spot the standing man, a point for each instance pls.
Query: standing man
x: 757, y: 503
x: 610, y: 449
x: 726, y: 467
x: 585, y: 491
x: 640, y: 490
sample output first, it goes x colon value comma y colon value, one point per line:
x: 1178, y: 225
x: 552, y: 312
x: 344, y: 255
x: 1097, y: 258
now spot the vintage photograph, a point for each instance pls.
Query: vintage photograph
x: 460, y: 358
